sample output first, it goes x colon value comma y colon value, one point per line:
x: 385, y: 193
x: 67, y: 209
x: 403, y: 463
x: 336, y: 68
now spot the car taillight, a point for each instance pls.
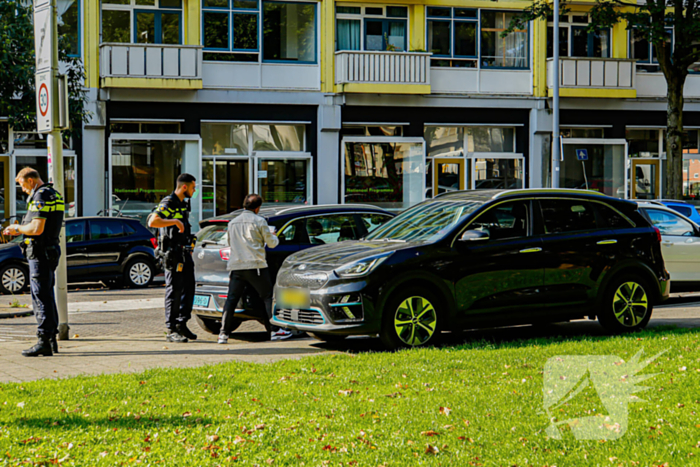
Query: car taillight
x: 225, y: 254
x: 154, y: 242
x: 658, y: 234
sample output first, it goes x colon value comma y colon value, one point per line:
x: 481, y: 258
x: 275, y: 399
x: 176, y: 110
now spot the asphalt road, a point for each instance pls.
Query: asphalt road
x: 96, y: 311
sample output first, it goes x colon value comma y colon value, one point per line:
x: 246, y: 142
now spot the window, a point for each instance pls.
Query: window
x: 372, y: 130
x: 216, y: 233
x: 502, y: 52
x: 331, y: 229
x: 643, y: 143
x: 117, y: 126
x: 644, y: 52
x: 69, y: 25
x: 608, y: 217
x: 294, y: 233
x: 686, y: 211
x: 507, y: 220
x: 670, y: 224
x: 278, y: 137
x: 490, y: 139
x: 567, y: 215
x: 498, y: 173
x: 582, y: 132
x: 289, y: 32
x: 444, y: 141
x: 142, y: 21
x: 105, y: 229
x: 576, y: 41
x: 231, y: 27
x: 372, y: 221
x: 387, y: 174
x: 452, y: 36
x: 371, y: 28
x: 75, y: 232
x: 284, y: 180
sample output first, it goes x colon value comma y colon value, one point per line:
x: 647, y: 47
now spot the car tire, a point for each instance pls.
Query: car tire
x: 14, y: 278
x: 404, y: 327
x: 324, y: 337
x: 139, y: 273
x: 627, y: 304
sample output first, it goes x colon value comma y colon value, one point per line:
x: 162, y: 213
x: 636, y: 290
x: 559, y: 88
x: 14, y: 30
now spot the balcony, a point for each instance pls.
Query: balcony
x: 382, y: 72
x: 151, y: 66
x: 594, y: 77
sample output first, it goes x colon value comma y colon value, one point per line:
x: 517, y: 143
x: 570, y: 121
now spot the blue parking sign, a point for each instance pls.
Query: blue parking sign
x: 582, y: 154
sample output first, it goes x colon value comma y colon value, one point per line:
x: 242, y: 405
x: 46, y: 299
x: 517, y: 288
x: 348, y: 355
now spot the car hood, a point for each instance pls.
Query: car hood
x: 8, y: 246
x: 328, y: 257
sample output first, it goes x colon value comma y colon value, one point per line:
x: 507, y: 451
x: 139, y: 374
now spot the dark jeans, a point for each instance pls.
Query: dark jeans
x: 42, y: 274
x: 258, y: 279
x: 179, y: 294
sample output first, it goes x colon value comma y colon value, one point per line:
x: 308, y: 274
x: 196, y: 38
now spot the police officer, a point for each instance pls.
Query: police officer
x: 41, y: 227
x: 171, y: 217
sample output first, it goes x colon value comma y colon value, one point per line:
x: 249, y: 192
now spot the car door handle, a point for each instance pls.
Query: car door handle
x: 82, y: 250
x: 607, y: 242
x: 123, y: 245
x: 667, y: 243
x: 531, y: 250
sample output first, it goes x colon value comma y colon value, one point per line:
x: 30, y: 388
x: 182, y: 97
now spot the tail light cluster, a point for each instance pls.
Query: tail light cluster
x: 658, y: 234
x: 225, y: 254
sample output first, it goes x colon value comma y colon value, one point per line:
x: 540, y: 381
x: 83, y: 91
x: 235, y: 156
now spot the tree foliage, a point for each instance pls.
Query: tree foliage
x: 17, y: 67
x: 650, y: 20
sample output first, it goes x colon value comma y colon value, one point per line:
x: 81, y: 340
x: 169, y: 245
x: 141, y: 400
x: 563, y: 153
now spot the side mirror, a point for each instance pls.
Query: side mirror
x: 474, y: 236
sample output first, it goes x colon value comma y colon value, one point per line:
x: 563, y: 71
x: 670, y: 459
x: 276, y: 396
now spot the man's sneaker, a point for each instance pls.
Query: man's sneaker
x: 184, y: 331
x: 176, y: 337
x: 223, y: 339
x: 280, y: 334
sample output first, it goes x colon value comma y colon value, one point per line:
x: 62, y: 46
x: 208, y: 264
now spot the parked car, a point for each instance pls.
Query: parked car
x: 478, y: 259
x: 680, y: 241
x: 298, y: 228
x: 115, y: 250
x: 687, y: 209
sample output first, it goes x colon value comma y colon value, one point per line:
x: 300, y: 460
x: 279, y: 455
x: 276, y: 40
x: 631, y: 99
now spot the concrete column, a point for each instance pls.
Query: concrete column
x: 328, y: 156
x: 93, y: 167
x: 540, y: 153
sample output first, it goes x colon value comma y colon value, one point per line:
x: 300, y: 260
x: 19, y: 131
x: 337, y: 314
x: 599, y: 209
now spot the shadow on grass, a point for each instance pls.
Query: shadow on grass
x: 80, y: 422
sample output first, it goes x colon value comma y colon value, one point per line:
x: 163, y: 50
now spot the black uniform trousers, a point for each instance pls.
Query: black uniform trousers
x: 179, y: 294
x: 42, y: 273
x: 259, y: 279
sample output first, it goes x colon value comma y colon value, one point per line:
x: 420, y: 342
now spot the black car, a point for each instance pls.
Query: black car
x: 116, y: 250
x: 298, y: 228
x: 480, y: 259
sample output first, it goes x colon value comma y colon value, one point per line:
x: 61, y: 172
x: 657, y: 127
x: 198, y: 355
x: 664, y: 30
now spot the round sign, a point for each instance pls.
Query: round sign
x: 43, y: 99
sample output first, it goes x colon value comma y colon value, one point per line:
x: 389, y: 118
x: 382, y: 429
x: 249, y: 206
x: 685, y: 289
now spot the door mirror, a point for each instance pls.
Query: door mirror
x: 474, y: 236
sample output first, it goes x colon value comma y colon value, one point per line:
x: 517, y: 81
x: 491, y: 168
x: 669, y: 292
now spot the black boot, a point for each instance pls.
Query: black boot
x: 43, y: 347
x: 54, y: 344
x: 184, y: 331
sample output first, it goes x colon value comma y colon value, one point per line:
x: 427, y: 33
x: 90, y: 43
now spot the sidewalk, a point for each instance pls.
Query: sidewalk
x: 106, y: 355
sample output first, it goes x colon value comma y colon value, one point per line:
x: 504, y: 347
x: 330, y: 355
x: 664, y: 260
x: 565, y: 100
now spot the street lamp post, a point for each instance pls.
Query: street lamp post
x: 555, y: 100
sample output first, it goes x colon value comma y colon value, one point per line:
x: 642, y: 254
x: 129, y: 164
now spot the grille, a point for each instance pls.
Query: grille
x: 309, y: 280
x: 300, y: 316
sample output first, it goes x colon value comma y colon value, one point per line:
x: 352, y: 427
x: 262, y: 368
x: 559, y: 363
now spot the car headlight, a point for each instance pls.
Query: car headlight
x: 361, y: 267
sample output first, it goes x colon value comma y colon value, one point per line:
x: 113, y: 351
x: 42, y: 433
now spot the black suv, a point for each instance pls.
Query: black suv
x: 478, y: 259
x: 298, y: 228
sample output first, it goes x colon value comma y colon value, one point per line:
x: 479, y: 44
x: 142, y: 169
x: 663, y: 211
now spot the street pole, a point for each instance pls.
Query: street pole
x: 55, y: 160
x: 555, y: 100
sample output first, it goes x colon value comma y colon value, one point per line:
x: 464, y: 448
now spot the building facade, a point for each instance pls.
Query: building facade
x: 380, y: 102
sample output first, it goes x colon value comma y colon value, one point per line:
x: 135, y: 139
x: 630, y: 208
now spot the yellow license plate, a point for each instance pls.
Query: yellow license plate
x: 295, y: 299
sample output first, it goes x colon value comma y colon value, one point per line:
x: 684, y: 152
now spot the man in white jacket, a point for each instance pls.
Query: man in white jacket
x: 248, y: 234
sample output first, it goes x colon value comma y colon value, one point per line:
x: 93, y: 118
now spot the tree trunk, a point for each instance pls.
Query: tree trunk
x: 674, y: 139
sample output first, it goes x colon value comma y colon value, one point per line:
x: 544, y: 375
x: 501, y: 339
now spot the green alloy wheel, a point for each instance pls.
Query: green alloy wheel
x: 627, y: 304
x: 411, y: 319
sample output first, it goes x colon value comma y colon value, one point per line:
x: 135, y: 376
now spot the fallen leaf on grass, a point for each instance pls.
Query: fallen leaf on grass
x: 432, y: 450
x: 213, y: 438
x: 445, y: 411
x: 430, y: 433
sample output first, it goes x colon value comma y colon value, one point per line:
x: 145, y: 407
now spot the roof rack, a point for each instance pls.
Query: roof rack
x: 307, y: 206
x: 571, y: 191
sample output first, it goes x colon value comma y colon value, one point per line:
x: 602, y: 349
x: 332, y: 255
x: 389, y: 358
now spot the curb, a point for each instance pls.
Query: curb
x: 17, y: 314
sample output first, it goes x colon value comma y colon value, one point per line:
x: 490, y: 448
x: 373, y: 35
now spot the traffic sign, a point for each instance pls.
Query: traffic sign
x: 44, y: 102
x: 582, y: 154
x: 43, y: 37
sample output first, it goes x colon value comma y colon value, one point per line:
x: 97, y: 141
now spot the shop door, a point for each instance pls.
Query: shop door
x: 232, y: 184
x: 448, y: 175
x: 644, y: 182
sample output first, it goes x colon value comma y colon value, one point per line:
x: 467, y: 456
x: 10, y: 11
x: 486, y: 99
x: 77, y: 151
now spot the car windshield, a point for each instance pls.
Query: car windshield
x: 216, y: 233
x: 427, y: 222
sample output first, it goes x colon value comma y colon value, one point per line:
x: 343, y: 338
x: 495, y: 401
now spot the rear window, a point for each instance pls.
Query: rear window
x: 214, y: 234
x: 567, y: 215
x: 611, y: 218
x: 687, y: 211
x: 106, y: 229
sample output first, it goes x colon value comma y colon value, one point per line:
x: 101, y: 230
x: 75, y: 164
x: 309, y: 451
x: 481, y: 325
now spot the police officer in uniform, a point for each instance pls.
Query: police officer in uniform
x: 41, y: 228
x: 171, y: 217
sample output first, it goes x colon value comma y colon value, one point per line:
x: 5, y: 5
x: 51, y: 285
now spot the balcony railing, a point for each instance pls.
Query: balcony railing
x: 609, y: 73
x: 151, y: 61
x: 355, y: 66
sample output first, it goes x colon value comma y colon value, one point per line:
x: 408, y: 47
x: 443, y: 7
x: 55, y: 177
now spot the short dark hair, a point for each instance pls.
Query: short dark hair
x: 184, y: 179
x: 28, y: 172
x: 252, y: 202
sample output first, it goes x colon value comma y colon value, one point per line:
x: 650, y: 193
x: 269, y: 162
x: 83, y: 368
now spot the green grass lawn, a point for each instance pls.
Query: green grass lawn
x: 476, y: 404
